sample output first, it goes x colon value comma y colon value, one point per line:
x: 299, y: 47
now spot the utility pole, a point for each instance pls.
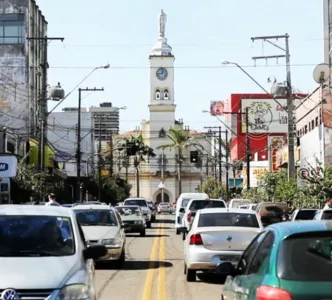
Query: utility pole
x: 42, y: 107
x: 99, y: 162
x: 227, y: 164
x: 248, y: 154
x: 111, y: 154
x: 78, y: 149
x: 290, y: 103
x: 219, y: 149
x: 162, y: 176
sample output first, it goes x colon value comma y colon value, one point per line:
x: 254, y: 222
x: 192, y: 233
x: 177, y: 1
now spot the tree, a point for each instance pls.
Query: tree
x: 136, y: 147
x: 180, y: 139
x: 213, y: 188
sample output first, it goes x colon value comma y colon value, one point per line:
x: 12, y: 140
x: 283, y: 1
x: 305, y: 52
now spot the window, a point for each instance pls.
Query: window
x: 305, y: 129
x: 307, y: 214
x: 158, y: 94
x: 201, y: 204
x: 312, y: 124
x: 26, y: 235
x: 262, y: 253
x: 249, y: 253
x: 166, y: 95
x: 12, y: 29
x: 316, y: 121
x: 306, y: 257
x: 96, y: 217
x: 327, y: 215
x: 138, y: 202
x: 309, y: 126
x: 129, y: 211
x: 228, y: 219
x: 185, y: 202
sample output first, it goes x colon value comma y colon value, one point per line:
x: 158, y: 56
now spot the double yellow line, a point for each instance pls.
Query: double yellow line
x: 157, y: 261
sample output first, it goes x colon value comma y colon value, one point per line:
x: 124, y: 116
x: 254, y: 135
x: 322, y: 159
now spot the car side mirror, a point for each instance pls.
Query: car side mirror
x: 182, y: 210
x: 94, y: 252
x: 225, y: 268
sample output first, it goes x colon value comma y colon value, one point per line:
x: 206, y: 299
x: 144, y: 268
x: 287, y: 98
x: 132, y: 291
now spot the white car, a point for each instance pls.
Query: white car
x: 218, y: 235
x: 44, y: 255
x: 248, y: 206
x: 144, y: 205
x: 102, y: 226
x: 164, y: 207
x: 303, y: 214
x: 193, y: 206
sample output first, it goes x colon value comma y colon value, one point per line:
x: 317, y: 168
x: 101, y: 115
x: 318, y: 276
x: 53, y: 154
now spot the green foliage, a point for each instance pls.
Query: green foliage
x: 213, y: 188
x: 179, y: 139
x: 256, y: 195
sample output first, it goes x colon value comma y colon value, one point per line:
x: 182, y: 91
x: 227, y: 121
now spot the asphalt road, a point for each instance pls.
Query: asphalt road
x: 154, y: 270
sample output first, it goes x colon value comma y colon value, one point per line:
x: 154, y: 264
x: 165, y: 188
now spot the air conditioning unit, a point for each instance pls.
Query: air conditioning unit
x: 279, y: 90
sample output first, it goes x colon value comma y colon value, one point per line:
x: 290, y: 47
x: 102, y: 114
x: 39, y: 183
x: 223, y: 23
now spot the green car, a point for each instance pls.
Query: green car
x: 287, y: 261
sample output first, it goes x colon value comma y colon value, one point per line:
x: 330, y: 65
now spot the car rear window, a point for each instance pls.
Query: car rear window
x: 138, y: 202
x: 273, y: 209
x: 305, y: 215
x: 227, y: 219
x: 185, y: 202
x: 327, y: 215
x: 201, y: 204
x: 306, y: 257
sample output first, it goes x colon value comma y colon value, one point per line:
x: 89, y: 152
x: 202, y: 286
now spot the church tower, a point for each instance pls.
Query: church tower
x: 162, y: 107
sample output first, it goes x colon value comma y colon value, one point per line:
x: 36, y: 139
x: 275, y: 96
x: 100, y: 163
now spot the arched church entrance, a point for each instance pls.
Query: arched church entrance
x: 166, y: 198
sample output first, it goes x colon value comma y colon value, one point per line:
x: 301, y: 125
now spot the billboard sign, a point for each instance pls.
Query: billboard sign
x: 275, y: 143
x: 265, y: 115
x: 8, y: 166
x: 217, y: 108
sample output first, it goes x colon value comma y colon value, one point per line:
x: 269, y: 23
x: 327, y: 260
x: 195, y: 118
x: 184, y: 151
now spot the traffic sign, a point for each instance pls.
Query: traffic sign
x: 303, y: 173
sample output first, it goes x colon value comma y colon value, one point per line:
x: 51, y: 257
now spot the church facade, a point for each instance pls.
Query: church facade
x: 157, y: 178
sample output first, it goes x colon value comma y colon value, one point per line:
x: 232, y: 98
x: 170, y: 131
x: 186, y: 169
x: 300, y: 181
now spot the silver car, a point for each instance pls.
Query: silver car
x: 102, y: 226
x: 45, y: 255
x: 218, y: 235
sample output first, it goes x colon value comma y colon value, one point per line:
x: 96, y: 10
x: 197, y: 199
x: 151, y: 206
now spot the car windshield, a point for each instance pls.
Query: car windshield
x: 96, y: 217
x: 137, y: 202
x: 128, y: 211
x: 305, y: 214
x: 227, y: 219
x: 185, y: 202
x: 306, y: 257
x: 201, y: 204
x: 327, y: 215
x: 36, y: 236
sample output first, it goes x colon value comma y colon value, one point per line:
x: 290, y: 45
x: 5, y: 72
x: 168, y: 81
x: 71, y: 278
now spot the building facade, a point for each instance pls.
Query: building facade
x: 21, y: 78
x: 62, y: 137
x: 146, y: 180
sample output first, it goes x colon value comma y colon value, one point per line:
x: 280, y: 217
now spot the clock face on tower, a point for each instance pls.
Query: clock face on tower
x: 161, y: 73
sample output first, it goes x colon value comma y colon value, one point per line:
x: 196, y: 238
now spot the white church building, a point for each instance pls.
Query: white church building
x: 157, y: 178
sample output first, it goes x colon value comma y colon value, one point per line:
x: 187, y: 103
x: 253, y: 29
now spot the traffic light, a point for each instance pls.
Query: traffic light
x: 193, y: 156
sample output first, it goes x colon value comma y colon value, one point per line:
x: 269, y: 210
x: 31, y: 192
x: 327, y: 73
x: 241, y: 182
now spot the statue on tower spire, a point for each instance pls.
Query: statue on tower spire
x: 162, y: 19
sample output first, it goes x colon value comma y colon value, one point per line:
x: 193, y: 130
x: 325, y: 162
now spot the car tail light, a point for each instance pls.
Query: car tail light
x: 189, y: 217
x: 265, y: 292
x: 196, y: 239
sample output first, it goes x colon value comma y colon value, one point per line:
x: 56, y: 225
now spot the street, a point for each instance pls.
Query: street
x: 154, y: 270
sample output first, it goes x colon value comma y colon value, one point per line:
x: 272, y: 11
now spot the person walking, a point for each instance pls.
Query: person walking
x: 52, y: 200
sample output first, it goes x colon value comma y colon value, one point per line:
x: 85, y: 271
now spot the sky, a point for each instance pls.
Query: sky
x: 202, y: 35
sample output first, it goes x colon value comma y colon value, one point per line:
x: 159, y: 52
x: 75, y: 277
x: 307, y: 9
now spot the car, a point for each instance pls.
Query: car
x: 153, y: 208
x: 248, y: 206
x: 164, y: 207
x: 237, y: 202
x: 303, y: 214
x: 272, y: 212
x: 44, y: 254
x: 181, y: 203
x: 323, y: 214
x: 143, y: 204
x: 193, y: 206
x: 101, y: 226
x: 288, y: 261
x: 132, y: 218
x: 216, y: 235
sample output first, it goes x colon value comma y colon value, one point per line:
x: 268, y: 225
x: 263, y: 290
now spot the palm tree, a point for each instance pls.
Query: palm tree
x: 180, y: 139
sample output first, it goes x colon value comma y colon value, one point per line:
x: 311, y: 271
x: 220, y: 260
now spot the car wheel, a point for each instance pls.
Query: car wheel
x: 121, y: 261
x: 142, y: 233
x: 191, y: 275
x: 148, y: 224
x: 177, y: 231
x: 183, y: 236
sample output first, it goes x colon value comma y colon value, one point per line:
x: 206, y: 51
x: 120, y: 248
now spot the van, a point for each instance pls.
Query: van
x: 181, y: 204
x: 236, y: 203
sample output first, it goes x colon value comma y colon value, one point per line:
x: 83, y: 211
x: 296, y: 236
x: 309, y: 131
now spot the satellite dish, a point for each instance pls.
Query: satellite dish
x: 322, y: 73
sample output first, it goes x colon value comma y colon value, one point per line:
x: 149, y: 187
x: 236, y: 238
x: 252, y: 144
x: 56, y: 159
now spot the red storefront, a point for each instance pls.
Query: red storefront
x: 258, y: 142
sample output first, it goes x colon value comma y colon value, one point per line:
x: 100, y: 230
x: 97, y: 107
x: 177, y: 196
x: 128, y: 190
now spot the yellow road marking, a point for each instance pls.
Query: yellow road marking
x: 147, y: 293
x: 162, y: 268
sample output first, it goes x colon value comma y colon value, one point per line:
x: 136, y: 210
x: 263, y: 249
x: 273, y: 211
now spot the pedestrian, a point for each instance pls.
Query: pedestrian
x: 328, y: 204
x: 52, y: 201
